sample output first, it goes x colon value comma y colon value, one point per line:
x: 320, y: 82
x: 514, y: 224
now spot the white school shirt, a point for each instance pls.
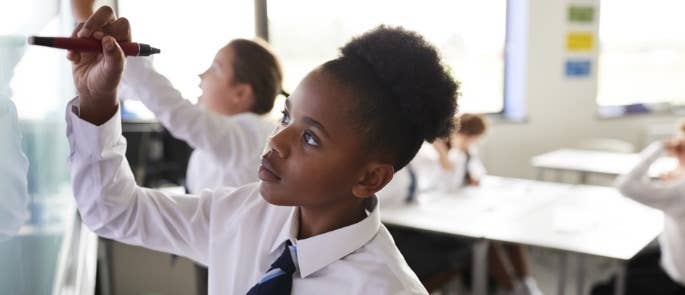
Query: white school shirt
x: 232, y: 230
x: 14, y: 168
x: 432, y: 176
x: 668, y: 197
x: 227, y: 148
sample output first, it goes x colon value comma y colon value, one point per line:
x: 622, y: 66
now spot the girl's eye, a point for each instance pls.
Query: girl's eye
x: 310, y: 139
x: 285, y: 120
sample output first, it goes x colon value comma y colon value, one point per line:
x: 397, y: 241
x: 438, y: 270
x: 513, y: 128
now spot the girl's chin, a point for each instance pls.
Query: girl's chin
x: 273, y: 195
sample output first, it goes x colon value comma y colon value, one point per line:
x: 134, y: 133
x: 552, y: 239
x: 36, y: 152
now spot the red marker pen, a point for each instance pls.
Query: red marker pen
x: 84, y: 44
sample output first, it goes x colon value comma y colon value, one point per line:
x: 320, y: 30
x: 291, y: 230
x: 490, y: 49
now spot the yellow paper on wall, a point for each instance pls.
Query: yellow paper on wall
x: 580, y: 41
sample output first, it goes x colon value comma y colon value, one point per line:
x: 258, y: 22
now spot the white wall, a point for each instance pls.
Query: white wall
x: 560, y: 112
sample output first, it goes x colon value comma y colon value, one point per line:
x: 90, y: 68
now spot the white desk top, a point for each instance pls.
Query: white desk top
x: 584, y: 219
x: 597, y: 162
x: 466, y: 213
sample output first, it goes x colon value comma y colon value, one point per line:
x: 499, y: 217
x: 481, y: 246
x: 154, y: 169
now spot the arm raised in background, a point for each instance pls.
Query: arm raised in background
x: 13, y: 172
x: 637, y: 185
x: 229, y: 139
x: 14, y: 165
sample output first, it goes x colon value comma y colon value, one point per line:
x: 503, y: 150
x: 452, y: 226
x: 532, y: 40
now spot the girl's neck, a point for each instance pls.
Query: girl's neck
x: 322, y: 219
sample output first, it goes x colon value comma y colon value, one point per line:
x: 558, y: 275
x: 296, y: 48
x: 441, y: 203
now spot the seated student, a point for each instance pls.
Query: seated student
x: 458, y: 161
x: 228, y: 128
x: 661, y: 270
x: 456, y: 164
x: 434, y: 258
x: 457, y: 157
x: 313, y: 222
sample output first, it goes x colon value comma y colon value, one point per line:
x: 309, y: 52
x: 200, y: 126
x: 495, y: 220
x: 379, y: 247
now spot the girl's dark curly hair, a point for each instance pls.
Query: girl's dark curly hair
x: 402, y: 93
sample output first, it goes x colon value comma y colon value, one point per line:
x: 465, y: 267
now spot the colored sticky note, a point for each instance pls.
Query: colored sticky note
x: 580, y: 41
x: 578, y: 68
x: 581, y: 14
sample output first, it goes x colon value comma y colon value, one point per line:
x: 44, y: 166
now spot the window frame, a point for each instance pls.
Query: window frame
x: 515, y: 57
x: 662, y: 108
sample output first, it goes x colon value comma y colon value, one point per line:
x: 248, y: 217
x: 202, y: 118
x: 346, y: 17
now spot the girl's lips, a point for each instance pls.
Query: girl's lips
x: 266, y: 172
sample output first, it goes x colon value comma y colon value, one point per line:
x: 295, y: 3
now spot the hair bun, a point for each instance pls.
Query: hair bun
x: 409, y: 69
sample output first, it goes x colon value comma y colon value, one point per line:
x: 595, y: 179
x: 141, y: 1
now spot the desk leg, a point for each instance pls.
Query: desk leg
x: 561, y: 284
x: 541, y: 174
x: 560, y: 175
x: 104, y: 266
x: 619, y: 288
x: 480, y: 267
x: 580, y: 274
x: 583, y: 177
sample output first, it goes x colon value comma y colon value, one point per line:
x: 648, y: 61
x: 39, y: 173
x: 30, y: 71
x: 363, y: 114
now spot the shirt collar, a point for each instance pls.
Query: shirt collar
x: 317, y: 252
x: 288, y: 231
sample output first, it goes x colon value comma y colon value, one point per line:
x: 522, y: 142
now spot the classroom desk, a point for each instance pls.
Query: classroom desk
x: 585, y: 162
x: 572, y: 219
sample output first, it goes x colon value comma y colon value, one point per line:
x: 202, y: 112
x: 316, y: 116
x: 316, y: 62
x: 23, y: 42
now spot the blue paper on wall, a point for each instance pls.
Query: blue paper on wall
x: 578, y: 68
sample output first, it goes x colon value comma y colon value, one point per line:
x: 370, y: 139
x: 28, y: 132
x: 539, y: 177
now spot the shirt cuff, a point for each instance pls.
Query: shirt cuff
x: 136, y: 75
x: 137, y: 70
x: 86, y: 138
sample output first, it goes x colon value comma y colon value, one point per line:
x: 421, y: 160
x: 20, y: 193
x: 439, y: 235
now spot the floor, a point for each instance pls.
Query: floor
x: 545, y: 266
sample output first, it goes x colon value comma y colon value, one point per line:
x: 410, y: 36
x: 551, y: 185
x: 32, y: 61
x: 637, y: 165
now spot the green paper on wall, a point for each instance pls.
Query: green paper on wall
x: 581, y: 14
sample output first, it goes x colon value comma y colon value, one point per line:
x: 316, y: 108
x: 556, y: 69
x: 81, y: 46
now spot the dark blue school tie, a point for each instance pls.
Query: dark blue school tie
x: 467, y: 173
x: 279, y: 279
x: 411, y: 195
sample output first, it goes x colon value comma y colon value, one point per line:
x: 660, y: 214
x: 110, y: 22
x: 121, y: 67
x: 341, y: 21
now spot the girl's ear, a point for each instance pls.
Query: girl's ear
x: 374, y: 178
x: 244, y: 95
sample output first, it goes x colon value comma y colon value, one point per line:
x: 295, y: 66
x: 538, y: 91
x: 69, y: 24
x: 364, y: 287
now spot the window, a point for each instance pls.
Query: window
x: 470, y: 35
x: 188, y: 36
x: 641, y: 53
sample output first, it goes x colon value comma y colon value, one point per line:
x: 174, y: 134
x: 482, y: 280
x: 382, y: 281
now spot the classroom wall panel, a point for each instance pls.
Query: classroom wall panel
x: 560, y: 112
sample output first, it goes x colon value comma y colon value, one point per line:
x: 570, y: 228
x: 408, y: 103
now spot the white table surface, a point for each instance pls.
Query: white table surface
x: 583, y: 219
x: 597, y: 162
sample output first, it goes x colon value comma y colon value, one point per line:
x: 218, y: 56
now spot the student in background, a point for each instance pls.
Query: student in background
x: 456, y: 156
x: 673, y: 150
x: 658, y: 270
x: 434, y: 258
x: 228, y: 128
x: 451, y: 164
x: 448, y: 164
x: 312, y: 224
